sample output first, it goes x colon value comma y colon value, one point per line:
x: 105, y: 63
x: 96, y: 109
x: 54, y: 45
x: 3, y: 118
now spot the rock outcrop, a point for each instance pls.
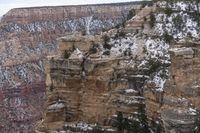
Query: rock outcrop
x: 142, y: 74
x: 27, y: 36
x: 150, y: 65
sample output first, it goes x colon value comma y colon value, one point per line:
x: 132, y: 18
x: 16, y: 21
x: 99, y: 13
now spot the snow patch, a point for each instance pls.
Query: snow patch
x: 56, y: 106
x: 76, y: 54
x: 192, y: 111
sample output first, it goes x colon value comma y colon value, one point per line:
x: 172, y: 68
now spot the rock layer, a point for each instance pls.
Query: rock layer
x: 27, y: 36
x: 138, y: 65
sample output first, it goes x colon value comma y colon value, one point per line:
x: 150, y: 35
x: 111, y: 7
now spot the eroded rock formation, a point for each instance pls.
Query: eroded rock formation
x: 27, y: 36
x: 144, y: 63
x: 145, y: 70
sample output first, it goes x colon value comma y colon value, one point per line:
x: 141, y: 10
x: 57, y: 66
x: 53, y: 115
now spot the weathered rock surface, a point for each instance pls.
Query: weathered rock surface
x: 183, y: 86
x: 93, y: 90
x: 91, y: 78
x: 27, y: 36
x: 141, y: 67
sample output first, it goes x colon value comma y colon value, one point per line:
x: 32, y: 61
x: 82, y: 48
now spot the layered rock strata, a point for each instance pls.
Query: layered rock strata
x: 27, y: 36
x: 142, y: 63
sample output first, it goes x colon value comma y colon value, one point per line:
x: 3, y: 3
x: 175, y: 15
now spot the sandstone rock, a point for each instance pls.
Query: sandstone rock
x: 27, y: 36
x: 186, y: 52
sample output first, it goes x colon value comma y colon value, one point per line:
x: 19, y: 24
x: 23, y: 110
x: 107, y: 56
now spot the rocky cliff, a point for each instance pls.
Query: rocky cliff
x: 27, y: 36
x: 142, y: 77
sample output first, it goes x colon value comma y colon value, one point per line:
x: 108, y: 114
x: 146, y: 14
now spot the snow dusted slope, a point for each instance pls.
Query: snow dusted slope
x: 117, y: 70
x: 179, y: 19
x: 151, y: 61
x: 179, y: 23
x: 165, y: 60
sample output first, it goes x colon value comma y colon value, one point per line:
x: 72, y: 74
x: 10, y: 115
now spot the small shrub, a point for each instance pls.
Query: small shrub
x: 178, y: 22
x: 136, y: 57
x: 107, y: 52
x: 168, y: 38
x: 67, y: 54
x: 189, y: 34
x: 52, y: 59
x: 107, y: 46
x: 168, y: 11
x: 143, y: 5
x: 120, y: 34
x: 94, y: 48
x: 131, y: 44
x: 197, y: 122
x: 136, y: 31
x: 152, y: 20
x: 51, y: 87
x: 106, y: 39
x: 195, y: 17
x: 123, y: 24
x: 144, y: 50
x: 131, y: 14
x: 150, y: 4
x: 142, y: 27
x: 127, y: 52
x: 84, y: 32
x: 118, y: 26
x: 73, y: 48
x: 118, y: 122
x: 145, y: 19
x: 97, y: 129
x: 154, y: 65
x: 103, y: 30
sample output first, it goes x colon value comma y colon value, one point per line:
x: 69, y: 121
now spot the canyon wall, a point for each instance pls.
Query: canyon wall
x: 145, y: 68
x: 27, y: 36
x: 142, y: 67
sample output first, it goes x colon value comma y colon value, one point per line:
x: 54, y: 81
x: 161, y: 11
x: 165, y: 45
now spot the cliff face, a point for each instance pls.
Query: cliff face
x: 148, y: 69
x: 181, y: 99
x: 101, y: 78
x: 27, y: 36
x: 144, y: 74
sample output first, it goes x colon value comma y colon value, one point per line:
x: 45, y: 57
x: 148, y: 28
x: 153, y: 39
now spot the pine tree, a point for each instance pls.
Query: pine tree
x: 197, y: 123
x: 119, y: 122
x: 144, y: 128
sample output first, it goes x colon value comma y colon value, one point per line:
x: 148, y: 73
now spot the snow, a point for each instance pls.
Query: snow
x: 157, y: 48
x: 121, y: 45
x: 130, y: 91
x: 140, y: 76
x: 159, y: 82
x: 62, y: 132
x: 88, y: 23
x: 192, y: 111
x: 82, y: 126
x: 76, y: 54
x: 110, y: 130
x: 131, y: 100
x: 196, y: 86
x: 166, y: 24
x: 142, y: 64
x: 56, y: 105
x: 180, y: 5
